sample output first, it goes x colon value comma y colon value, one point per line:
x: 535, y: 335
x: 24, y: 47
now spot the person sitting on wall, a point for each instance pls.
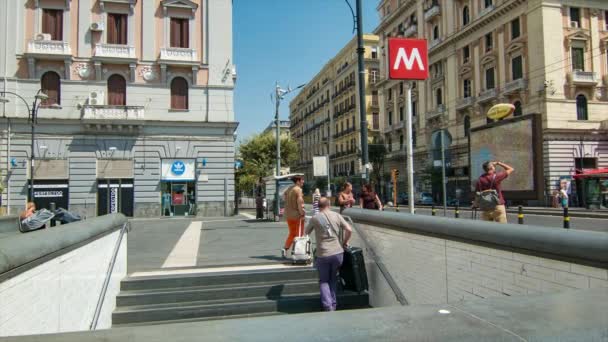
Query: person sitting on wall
x: 31, y: 219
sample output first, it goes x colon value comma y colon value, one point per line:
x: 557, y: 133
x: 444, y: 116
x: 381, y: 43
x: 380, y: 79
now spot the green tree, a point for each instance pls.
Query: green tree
x: 259, y: 154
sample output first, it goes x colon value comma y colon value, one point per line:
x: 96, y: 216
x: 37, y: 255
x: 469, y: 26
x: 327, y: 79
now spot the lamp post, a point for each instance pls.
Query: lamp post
x: 33, y: 117
x: 278, y: 96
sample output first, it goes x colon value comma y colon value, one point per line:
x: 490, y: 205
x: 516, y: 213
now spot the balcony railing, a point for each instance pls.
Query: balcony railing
x: 513, y: 86
x: 440, y: 110
x: 432, y: 12
x: 103, y: 114
x: 114, y: 51
x: 178, y: 54
x: 488, y: 95
x: 465, y: 103
x: 49, y: 47
x: 584, y: 77
x: 486, y: 10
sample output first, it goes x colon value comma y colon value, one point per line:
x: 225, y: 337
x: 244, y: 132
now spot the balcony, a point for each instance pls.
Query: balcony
x: 109, y: 115
x: 115, y: 51
x: 412, y: 30
x: 578, y: 77
x: 440, y: 110
x: 515, y: 86
x: 488, y: 95
x: 465, y: 103
x: 486, y: 10
x: 49, y: 47
x: 434, y: 43
x: 432, y: 12
x: 180, y: 55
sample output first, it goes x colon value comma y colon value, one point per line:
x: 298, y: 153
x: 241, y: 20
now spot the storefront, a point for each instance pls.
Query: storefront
x: 51, y: 183
x: 115, y: 190
x: 593, y: 185
x: 178, y: 187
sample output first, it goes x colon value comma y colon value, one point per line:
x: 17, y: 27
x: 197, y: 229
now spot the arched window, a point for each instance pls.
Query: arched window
x: 518, y: 110
x: 467, y: 126
x: 50, y: 84
x: 117, y: 91
x: 436, y: 32
x: 179, y: 93
x: 438, y: 96
x: 581, y: 107
x: 465, y: 16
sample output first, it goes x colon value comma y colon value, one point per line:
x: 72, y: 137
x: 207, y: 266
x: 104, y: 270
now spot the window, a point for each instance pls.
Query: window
x: 180, y: 33
x: 375, y: 121
x: 413, y: 108
x: 489, y: 42
x: 467, y: 126
x: 515, y: 30
x: 390, y: 118
x: 466, y: 54
x: 179, y: 93
x: 578, y: 58
x: 401, y: 113
x: 413, y: 137
x: 117, y: 29
x: 51, y: 86
x: 117, y: 91
x: 401, y: 88
x: 487, y: 3
x: 465, y: 16
x: 581, y: 107
x: 518, y: 110
x: 436, y: 32
x: 517, y: 68
x: 490, y: 78
x: 374, y: 53
x: 401, y: 142
x: 585, y: 163
x: 52, y: 23
x: 466, y: 88
x: 390, y: 94
x: 389, y: 144
x: 438, y: 96
x: 575, y: 16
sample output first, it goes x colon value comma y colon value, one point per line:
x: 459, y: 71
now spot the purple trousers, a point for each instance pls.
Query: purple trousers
x: 328, y: 279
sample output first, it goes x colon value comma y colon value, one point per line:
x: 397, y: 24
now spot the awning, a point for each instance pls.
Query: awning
x: 592, y: 173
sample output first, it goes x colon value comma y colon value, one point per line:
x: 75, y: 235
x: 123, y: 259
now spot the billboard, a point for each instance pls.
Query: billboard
x: 515, y: 142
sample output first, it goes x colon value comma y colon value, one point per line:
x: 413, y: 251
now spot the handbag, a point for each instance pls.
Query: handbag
x: 488, y: 199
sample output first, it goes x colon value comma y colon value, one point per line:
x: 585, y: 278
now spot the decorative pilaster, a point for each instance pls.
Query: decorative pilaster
x: 163, y: 73
x: 194, y: 75
x: 67, y: 63
x: 98, y: 75
x: 31, y: 67
x: 132, y: 72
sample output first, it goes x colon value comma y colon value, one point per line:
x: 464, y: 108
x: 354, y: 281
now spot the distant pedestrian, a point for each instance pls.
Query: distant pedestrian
x: 563, y: 195
x: 259, y: 206
x: 316, y: 196
x: 346, y: 199
x: 294, y: 211
x: 329, y: 253
x: 369, y: 198
x: 489, y: 196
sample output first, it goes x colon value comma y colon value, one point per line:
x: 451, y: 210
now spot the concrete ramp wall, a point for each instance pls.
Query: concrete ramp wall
x: 438, y: 260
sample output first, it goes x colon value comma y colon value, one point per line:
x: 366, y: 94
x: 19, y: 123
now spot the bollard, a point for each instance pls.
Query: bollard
x: 566, y: 219
x: 53, y: 207
x: 456, y: 212
x: 433, y: 211
x: 520, y: 215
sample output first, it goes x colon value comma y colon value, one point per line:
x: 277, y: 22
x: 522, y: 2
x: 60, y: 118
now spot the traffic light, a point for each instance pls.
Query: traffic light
x: 394, y: 174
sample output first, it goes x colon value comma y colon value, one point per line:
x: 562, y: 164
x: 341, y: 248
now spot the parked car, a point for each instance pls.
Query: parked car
x: 403, y: 198
x: 425, y: 199
x: 452, y: 202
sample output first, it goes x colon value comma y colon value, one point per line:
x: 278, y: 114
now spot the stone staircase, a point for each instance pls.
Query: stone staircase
x: 220, y: 295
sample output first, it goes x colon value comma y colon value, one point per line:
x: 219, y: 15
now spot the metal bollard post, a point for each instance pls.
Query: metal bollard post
x: 53, y: 207
x: 520, y: 215
x: 566, y: 219
x: 456, y: 212
x: 433, y: 211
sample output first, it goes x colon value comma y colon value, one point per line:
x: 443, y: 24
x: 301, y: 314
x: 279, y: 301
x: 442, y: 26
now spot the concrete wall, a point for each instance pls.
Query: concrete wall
x: 61, y: 294
x: 432, y: 270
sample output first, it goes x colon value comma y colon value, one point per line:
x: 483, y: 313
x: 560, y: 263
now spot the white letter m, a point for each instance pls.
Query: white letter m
x: 408, y: 61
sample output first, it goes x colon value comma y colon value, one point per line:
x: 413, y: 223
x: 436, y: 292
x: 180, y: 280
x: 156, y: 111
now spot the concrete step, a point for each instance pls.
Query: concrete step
x: 217, y: 278
x: 199, y: 319
x: 216, y: 292
x: 218, y: 309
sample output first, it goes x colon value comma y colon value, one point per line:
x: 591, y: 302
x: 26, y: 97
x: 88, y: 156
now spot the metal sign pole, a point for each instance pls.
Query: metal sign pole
x: 409, y: 148
x: 443, y: 185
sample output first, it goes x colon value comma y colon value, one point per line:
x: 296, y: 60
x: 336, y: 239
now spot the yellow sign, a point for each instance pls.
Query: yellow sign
x: 500, y: 111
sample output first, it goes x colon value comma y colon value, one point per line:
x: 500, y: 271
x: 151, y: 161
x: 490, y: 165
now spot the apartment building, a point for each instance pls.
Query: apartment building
x: 139, y: 116
x: 543, y: 56
x: 325, y: 114
x: 284, y: 126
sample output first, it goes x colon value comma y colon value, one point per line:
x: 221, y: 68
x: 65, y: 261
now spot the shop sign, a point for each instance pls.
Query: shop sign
x: 178, y: 169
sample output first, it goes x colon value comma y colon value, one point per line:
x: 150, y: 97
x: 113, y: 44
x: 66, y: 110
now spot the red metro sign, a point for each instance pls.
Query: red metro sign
x: 408, y: 59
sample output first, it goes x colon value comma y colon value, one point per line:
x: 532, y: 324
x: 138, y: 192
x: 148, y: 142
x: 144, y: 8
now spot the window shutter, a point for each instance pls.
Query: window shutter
x: 185, y: 42
x: 52, y: 23
x: 111, y: 34
x: 175, y: 32
x: 122, y: 29
x: 117, y: 91
x: 179, y: 93
x: 51, y: 86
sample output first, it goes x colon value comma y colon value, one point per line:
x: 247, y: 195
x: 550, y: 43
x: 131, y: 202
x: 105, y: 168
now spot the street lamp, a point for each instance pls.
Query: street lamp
x: 33, y: 117
x: 278, y: 96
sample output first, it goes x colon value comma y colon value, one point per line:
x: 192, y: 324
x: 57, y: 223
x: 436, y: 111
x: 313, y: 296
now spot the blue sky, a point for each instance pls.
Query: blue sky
x: 286, y: 41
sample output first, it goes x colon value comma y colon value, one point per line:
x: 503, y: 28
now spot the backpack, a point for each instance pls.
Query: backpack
x: 488, y: 199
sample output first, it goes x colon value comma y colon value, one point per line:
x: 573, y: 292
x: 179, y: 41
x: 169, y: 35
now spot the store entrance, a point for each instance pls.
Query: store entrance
x: 115, y: 196
x: 178, y: 198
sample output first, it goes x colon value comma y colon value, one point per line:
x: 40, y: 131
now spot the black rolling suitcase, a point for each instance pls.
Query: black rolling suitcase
x: 353, y: 276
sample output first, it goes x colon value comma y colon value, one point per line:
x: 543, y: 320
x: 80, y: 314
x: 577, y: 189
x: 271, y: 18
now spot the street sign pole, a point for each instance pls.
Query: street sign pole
x: 328, y: 194
x: 443, y: 185
x: 410, y: 149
